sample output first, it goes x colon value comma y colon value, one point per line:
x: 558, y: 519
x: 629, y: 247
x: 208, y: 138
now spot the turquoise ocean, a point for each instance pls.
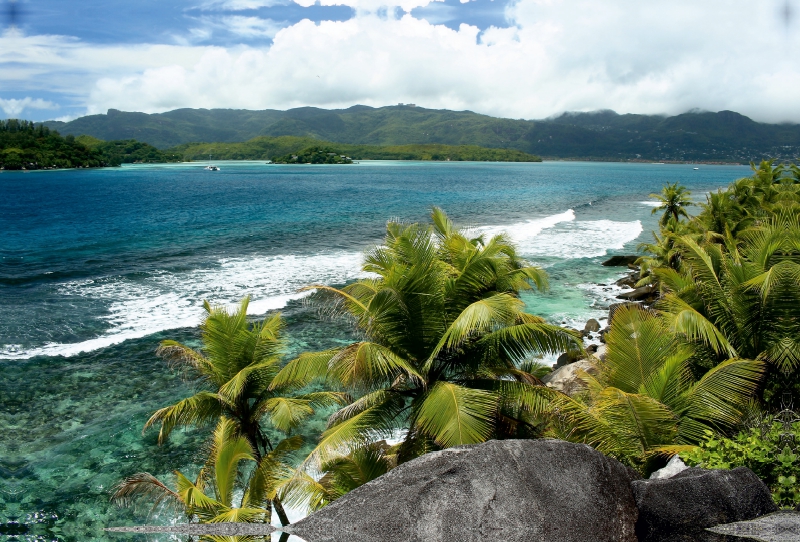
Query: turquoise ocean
x: 98, y: 266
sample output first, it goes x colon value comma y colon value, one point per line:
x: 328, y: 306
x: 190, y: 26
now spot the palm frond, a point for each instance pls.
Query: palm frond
x: 453, y: 415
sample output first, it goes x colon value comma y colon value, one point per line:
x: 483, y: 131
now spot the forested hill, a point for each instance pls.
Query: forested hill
x: 696, y: 136
x: 24, y: 145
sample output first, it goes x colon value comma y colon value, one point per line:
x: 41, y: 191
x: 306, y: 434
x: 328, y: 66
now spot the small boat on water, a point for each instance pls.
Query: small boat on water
x: 211, y: 168
x: 696, y: 168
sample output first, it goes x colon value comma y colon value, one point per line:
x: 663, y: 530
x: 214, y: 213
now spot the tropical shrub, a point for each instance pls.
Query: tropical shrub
x: 644, y: 403
x: 769, y: 450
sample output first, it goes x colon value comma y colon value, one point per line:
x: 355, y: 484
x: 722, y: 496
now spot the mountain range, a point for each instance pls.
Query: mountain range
x: 723, y: 136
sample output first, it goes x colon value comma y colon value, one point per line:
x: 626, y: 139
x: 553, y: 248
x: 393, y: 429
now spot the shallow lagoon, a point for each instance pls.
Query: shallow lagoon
x: 99, y: 265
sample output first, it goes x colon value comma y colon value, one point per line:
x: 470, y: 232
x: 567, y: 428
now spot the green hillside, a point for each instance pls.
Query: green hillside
x: 129, y: 151
x: 696, y: 136
x: 270, y: 148
x: 25, y: 146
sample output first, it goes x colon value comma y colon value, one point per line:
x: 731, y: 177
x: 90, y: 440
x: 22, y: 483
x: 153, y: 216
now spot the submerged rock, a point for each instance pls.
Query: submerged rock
x: 694, y: 499
x: 592, y: 326
x: 621, y: 261
x: 511, y: 490
x: 639, y: 294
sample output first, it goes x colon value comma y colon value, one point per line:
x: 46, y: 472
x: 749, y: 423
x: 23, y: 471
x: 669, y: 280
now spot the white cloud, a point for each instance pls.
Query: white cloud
x: 14, y: 107
x: 626, y: 55
x: 241, y: 5
x: 244, y: 27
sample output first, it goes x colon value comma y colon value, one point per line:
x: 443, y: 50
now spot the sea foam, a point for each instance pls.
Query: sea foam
x: 562, y: 236
x: 141, y: 306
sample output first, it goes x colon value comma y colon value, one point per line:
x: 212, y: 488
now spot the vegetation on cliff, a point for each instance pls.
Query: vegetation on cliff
x: 26, y: 146
x: 129, y: 151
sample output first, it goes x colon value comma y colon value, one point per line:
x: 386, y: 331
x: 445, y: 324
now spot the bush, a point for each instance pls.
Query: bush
x: 769, y: 450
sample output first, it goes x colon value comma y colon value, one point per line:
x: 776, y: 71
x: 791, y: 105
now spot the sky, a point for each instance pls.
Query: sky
x: 60, y: 59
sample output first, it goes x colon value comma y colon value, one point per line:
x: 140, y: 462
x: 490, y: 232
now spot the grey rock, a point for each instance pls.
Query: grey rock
x: 674, y: 466
x: 695, y: 499
x: 591, y: 349
x: 776, y: 527
x: 639, y: 294
x: 621, y: 261
x: 592, y: 326
x: 567, y: 357
x: 511, y: 490
x: 626, y: 281
x: 567, y: 379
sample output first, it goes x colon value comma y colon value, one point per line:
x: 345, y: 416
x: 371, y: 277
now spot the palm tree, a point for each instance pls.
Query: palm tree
x: 340, y: 475
x: 210, y: 498
x: 235, y: 370
x: 673, y: 200
x: 444, y: 338
x: 741, y: 298
x: 644, y: 402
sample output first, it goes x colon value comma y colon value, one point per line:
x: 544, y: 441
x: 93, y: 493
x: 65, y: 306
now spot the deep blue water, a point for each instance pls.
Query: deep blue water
x: 97, y: 266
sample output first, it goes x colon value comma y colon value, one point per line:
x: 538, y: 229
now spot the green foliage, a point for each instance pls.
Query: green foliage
x: 313, y: 155
x: 26, y: 146
x: 673, y: 201
x: 725, y: 136
x: 766, y: 449
x: 130, y: 151
x: 644, y: 401
x: 236, y: 372
x: 340, y: 475
x: 445, y: 343
x: 232, y: 465
x: 281, y: 150
x: 729, y: 276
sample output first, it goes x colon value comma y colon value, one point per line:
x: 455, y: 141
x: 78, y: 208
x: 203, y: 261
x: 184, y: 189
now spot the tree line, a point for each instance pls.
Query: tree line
x: 27, y: 146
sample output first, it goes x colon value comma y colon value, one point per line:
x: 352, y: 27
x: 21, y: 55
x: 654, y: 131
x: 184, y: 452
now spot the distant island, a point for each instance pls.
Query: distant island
x: 283, y: 150
x: 723, y: 137
x: 26, y: 146
x: 313, y: 155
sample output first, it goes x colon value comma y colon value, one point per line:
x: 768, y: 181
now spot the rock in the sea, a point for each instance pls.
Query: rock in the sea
x: 592, y: 326
x: 639, y: 294
x: 567, y: 357
x: 567, y: 379
x: 674, y: 466
x: 510, y: 490
x: 621, y: 261
x: 694, y: 499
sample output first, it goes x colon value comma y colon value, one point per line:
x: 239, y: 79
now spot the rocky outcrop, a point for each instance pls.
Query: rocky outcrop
x: 511, y: 490
x: 643, y: 293
x: 567, y: 379
x: 568, y: 357
x: 592, y: 326
x: 694, y: 499
x: 621, y: 261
